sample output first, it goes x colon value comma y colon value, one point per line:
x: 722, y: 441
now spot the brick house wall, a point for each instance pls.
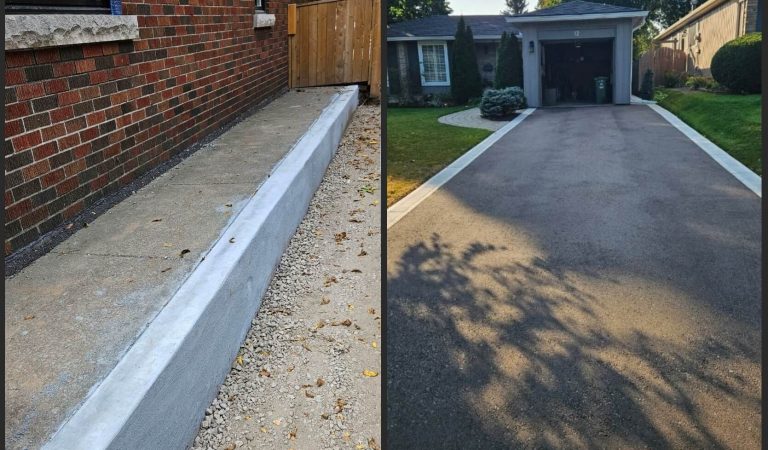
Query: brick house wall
x: 83, y: 121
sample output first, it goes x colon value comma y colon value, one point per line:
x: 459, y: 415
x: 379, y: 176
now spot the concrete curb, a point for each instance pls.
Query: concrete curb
x: 157, y: 394
x: 750, y: 179
x: 410, y: 201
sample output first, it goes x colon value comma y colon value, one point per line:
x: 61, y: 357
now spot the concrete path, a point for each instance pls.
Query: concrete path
x: 470, y: 118
x: 306, y: 352
x: 73, y: 313
x: 590, y: 281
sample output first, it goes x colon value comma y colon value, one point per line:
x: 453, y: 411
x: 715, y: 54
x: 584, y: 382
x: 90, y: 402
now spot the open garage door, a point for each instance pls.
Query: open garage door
x: 570, y: 69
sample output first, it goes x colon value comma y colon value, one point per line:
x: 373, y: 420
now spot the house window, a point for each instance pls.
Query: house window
x: 433, y: 64
x: 57, y: 7
x: 261, y: 5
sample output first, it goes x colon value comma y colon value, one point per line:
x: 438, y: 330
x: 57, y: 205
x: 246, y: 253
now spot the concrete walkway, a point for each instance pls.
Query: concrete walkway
x: 73, y: 313
x: 470, y: 118
x: 575, y: 287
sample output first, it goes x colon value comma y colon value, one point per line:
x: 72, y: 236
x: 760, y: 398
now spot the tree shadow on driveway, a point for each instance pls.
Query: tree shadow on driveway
x: 487, y: 349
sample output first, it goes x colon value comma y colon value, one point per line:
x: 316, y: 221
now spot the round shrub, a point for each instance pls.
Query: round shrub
x: 500, y: 103
x: 736, y: 65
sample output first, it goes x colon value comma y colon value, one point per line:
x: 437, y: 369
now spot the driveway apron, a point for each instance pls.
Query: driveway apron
x: 591, y: 281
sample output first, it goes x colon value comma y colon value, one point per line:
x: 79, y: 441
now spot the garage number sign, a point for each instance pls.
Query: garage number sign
x: 576, y: 33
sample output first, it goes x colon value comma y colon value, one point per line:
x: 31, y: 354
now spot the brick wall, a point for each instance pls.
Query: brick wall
x: 82, y: 121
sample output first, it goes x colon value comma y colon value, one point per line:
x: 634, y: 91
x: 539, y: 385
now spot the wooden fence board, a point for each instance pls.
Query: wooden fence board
x: 336, y: 42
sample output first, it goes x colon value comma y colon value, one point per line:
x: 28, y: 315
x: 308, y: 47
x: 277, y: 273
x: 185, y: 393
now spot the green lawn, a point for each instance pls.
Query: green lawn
x: 730, y: 121
x: 418, y: 146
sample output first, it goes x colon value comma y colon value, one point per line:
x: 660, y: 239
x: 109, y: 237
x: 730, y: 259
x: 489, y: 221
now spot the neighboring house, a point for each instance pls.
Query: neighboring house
x: 691, y: 42
x: 93, y: 100
x: 569, y: 45
x: 419, y: 53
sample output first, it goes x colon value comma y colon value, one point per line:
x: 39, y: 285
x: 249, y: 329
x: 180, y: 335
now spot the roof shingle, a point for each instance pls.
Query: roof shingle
x: 578, y: 7
x: 490, y: 25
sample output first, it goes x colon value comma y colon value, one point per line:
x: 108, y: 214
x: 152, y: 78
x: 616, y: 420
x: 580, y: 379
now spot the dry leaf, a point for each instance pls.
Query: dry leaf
x: 325, y: 416
x: 324, y: 301
x: 309, y: 394
x: 263, y: 430
x: 183, y: 252
x: 370, y: 373
x: 362, y: 253
x: 340, y: 404
x: 69, y: 226
x: 356, y: 271
x: 239, y: 360
x: 292, y: 433
x: 320, y: 324
x: 373, y: 344
x: 277, y: 422
x: 320, y: 382
x: 340, y: 236
x: 231, y: 240
x: 373, y: 445
x: 346, y: 322
x: 306, y: 347
x: 165, y: 270
x: 157, y: 220
x: 345, y: 436
x: 264, y: 372
x: 330, y: 280
x: 29, y: 317
x: 371, y: 311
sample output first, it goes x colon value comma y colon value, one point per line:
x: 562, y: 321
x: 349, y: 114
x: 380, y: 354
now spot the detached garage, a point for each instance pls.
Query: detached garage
x: 578, y: 53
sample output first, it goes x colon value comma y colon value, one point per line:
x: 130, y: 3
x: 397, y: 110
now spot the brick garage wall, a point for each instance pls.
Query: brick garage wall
x: 83, y: 121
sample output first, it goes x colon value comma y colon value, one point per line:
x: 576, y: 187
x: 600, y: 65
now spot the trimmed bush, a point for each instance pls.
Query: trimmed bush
x: 646, y: 90
x: 501, y: 103
x: 465, y: 75
x: 672, y: 79
x: 736, y: 65
x: 697, y: 83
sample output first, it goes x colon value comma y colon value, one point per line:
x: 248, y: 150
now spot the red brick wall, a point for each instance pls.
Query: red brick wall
x: 82, y: 121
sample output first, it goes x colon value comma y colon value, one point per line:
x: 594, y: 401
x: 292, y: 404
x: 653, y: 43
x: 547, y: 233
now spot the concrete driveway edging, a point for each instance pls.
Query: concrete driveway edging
x: 410, y: 201
x: 750, y: 179
x: 157, y: 394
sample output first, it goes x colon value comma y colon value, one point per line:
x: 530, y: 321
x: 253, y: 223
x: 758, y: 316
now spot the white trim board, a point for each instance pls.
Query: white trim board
x: 410, y: 201
x: 750, y: 179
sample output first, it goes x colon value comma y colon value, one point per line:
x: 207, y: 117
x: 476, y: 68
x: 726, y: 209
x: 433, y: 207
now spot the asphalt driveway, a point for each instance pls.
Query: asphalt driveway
x: 590, y: 281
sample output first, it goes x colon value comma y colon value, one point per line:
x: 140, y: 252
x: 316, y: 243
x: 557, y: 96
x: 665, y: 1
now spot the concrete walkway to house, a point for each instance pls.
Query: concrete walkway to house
x: 470, y: 118
x: 591, y: 281
x: 72, y: 314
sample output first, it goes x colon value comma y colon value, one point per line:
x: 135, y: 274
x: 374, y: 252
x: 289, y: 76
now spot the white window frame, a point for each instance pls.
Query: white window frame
x: 447, y: 64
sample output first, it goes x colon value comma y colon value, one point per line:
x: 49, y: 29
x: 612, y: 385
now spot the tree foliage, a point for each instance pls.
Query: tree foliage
x: 401, y: 10
x: 465, y: 75
x: 509, y: 63
x: 514, y: 7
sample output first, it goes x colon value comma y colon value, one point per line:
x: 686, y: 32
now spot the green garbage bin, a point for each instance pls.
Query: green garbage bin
x: 601, y: 89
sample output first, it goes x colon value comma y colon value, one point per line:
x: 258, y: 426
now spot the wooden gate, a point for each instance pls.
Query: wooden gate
x: 335, y: 42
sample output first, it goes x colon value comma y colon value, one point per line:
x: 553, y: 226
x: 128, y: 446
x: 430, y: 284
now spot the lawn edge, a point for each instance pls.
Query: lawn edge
x: 403, y: 206
x: 156, y: 395
x: 741, y: 172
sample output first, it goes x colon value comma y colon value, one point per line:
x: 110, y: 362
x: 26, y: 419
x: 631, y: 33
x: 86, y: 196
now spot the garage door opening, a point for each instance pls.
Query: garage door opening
x: 570, y: 69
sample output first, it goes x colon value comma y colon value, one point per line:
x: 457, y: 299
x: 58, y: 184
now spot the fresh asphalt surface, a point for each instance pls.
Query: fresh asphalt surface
x: 591, y: 281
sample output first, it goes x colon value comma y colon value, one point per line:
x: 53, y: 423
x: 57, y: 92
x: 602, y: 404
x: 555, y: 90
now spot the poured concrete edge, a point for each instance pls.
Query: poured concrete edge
x: 51, y: 30
x: 410, y: 201
x: 156, y: 395
x: 750, y: 179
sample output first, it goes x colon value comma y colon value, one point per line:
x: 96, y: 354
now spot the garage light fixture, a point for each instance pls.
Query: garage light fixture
x: 530, y: 46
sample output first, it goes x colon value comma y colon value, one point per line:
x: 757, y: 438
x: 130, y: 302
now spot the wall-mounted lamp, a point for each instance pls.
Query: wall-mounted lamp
x: 530, y: 46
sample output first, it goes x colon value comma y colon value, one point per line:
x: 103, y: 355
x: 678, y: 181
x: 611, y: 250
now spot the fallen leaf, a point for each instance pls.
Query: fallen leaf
x: 371, y: 311
x: 320, y: 382
x: 362, y: 253
x: 356, y: 271
x: 157, y: 220
x: 373, y: 445
x: 320, y: 324
x: 69, y: 226
x: 340, y: 404
x: 230, y: 446
x: 228, y: 205
x: 306, y: 347
x: 29, y: 317
x: 361, y: 446
x: 355, y: 220
x: 340, y: 236
x: 263, y: 430
x: 373, y: 344
x: 325, y: 416
x: 345, y: 436
x: 290, y: 368
x: 165, y: 270
x: 330, y: 280
x: 239, y: 360
x: 277, y: 422
x: 370, y: 373
x: 248, y: 417
x: 346, y: 322
x: 183, y: 252
x: 231, y: 240
x: 167, y: 244
x: 324, y: 301
x: 292, y: 433
x: 350, y: 306
x: 309, y: 394
x: 264, y: 372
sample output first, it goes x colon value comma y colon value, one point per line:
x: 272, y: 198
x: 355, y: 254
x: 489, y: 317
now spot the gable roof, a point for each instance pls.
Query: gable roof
x: 488, y: 27
x: 579, y: 10
x: 578, y: 7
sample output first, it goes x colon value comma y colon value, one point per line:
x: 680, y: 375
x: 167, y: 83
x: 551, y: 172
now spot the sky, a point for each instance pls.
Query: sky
x: 469, y: 7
